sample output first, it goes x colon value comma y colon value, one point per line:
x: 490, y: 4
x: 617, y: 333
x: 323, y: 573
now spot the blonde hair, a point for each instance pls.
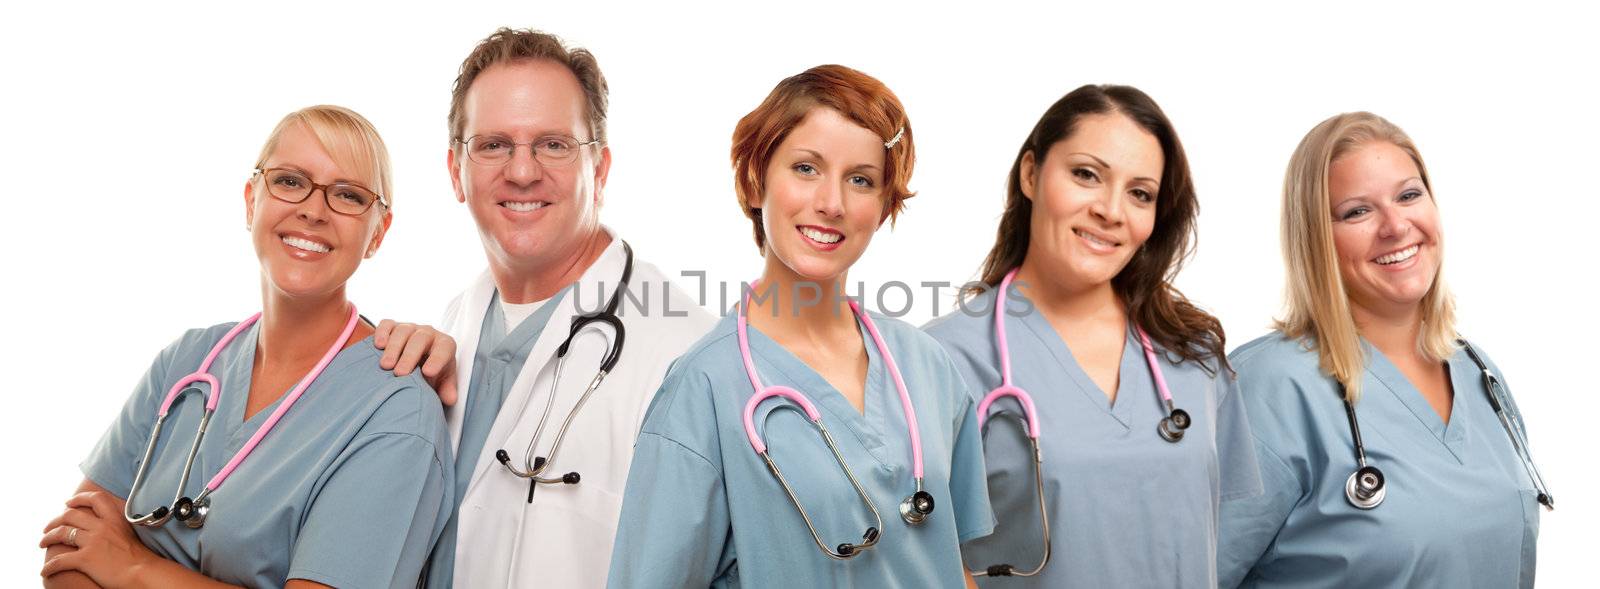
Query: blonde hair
x: 1318, y: 306
x: 349, y: 138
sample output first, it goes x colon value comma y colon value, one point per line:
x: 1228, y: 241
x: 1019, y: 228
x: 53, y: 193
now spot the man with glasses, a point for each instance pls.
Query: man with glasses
x: 528, y: 156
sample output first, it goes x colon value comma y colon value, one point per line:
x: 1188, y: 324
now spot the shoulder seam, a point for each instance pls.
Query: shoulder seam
x: 685, y: 448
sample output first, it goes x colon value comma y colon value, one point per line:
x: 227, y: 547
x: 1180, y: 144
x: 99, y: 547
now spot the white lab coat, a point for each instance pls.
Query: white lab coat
x: 564, y: 538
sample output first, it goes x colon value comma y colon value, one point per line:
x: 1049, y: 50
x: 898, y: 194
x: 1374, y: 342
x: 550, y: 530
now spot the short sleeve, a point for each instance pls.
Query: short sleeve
x: 374, y: 519
x: 1236, y: 455
x: 115, y: 458
x: 969, y: 480
x: 1249, y: 525
x: 675, y: 522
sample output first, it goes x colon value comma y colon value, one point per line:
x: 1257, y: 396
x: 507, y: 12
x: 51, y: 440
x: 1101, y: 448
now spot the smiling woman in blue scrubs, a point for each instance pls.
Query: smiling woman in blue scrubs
x: 1369, y: 349
x: 345, y: 474
x: 1099, y: 213
x: 820, y: 165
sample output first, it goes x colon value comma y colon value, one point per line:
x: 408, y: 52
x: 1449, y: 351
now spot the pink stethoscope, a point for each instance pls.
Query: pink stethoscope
x: 914, y: 509
x: 1171, y: 427
x: 192, y: 512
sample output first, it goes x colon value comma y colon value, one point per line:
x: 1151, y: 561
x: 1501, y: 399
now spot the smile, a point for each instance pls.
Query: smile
x: 302, y: 243
x: 524, y: 207
x: 1399, y: 256
x: 1096, y: 239
x: 821, y: 235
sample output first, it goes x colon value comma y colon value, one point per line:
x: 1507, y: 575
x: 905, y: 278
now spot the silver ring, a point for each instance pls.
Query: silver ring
x: 72, y: 537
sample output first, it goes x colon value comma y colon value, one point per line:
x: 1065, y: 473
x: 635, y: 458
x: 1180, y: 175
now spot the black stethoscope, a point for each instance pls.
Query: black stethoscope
x: 1366, y: 487
x: 533, y: 467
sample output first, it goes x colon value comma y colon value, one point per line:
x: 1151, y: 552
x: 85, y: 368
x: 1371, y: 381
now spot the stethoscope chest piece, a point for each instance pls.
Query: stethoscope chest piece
x: 917, y: 507
x: 1173, y: 425
x: 1365, y: 488
x: 192, y: 513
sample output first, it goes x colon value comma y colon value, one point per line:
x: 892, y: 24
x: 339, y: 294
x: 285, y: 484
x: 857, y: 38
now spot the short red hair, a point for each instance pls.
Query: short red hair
x: 857, y: 96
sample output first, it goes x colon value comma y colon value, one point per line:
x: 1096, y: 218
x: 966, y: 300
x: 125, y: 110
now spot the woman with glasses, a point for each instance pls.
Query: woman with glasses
x: 312, y: 466
x: 804, y: 443
x: 1097, y: 364
x: 1391, y: 453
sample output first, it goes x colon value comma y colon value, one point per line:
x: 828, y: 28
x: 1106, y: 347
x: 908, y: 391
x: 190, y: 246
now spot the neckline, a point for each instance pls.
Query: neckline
x: 1385, y: 372
x: 1132, y: 357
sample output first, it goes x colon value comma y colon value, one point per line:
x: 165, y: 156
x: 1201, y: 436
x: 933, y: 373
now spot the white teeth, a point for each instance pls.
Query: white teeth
x: 821, y: 236
x: 523, y: 207
x: 305, y: 244
x: 1093, y: 239
x: 1399, y: 256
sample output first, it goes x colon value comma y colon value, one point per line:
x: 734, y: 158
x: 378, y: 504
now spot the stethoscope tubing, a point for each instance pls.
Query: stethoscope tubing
x: 1030, y: 424
x: 192, y: 512
x: 913, y: 510
x: 1366, y: 487
x: 534, y: 467
x: 1512, y: 425
x: 762, y: 392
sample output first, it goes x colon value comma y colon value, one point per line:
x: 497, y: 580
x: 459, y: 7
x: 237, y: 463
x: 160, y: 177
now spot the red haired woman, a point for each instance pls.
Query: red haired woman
x: 803, y: 442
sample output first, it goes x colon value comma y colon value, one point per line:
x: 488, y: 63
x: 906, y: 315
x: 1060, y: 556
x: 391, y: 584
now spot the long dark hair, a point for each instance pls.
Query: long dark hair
x: 1145, y: 284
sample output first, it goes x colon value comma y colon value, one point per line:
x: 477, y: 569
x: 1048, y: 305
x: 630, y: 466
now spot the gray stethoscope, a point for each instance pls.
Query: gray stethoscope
x: 533, y: 467
x: 1366, y: 488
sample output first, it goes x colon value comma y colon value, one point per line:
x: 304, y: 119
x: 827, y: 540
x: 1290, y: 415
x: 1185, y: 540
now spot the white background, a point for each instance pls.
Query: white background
x: 129, y: 131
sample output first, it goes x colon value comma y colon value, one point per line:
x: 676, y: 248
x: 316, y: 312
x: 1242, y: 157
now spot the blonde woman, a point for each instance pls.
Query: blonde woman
x: 1390, y: 450
x: 317, y: 468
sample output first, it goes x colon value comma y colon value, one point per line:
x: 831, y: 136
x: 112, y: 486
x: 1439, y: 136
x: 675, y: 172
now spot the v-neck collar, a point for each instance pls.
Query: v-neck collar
x: 1451, y: 435
x: 1132, y: 361
x: 237, y: 363
x: 506, y: 347
x: 868, y: 425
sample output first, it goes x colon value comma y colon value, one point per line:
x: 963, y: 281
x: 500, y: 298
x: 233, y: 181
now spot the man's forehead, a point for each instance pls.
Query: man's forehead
x: 536, y: 95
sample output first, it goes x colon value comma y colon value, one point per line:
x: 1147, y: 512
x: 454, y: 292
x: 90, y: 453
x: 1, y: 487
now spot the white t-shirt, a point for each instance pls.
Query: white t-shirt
x: 515, y: 313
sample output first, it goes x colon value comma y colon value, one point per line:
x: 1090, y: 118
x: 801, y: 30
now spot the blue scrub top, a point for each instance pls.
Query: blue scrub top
x: 351, y: 489
x: 701, y: 508
x: 1460, y: 510
x: 1127, y: 508
x: 498, y: 360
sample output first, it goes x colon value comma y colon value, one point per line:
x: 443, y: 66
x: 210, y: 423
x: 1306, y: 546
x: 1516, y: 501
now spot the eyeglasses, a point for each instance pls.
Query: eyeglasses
x: 550, y: 150
x: 293, y: 186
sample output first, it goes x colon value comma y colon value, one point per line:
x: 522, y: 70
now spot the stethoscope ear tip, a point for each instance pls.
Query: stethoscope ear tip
x: 502, y: 456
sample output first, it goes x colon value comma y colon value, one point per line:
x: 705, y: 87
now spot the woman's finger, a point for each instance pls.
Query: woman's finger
x: 66, y: 561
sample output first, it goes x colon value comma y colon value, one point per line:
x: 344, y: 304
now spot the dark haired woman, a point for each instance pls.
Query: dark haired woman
x: 1140, y: 431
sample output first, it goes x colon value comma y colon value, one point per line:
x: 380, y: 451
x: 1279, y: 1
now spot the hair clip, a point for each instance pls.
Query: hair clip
x: 896, y: 139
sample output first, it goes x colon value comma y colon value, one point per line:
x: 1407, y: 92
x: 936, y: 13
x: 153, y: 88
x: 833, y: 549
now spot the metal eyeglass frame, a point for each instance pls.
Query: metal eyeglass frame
x: 538, y: 154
